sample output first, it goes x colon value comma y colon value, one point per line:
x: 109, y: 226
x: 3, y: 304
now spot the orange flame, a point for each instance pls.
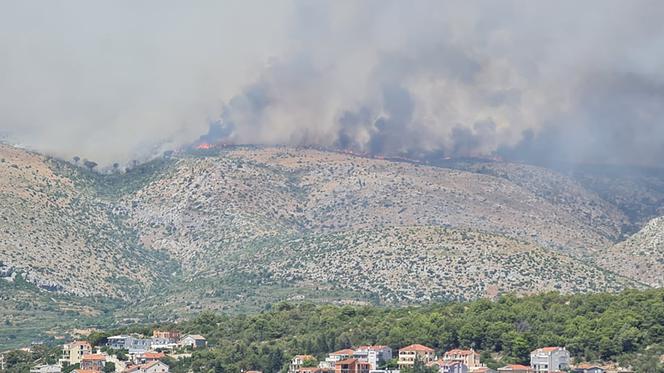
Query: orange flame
x: 204, y: 146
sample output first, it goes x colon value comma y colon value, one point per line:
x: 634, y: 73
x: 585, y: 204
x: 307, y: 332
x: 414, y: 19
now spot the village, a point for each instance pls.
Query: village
x: 140, y: 354
x: 125, y: 353
x: 381, y: 359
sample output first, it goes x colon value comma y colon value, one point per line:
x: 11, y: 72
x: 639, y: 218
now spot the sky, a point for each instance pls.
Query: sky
x: 534, y: 81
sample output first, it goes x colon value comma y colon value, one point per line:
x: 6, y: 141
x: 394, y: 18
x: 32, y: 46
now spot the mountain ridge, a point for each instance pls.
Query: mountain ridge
x: 244, y: 226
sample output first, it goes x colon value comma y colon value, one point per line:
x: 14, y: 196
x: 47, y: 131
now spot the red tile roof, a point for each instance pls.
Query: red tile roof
x: 94, y: 357
x: 458, y: 351
x: 346, y: 351
x: 516, y: 367
x: 417, y: 347
x: 153, y: 355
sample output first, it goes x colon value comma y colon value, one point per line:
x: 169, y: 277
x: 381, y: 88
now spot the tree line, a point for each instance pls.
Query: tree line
x: 627, y: 327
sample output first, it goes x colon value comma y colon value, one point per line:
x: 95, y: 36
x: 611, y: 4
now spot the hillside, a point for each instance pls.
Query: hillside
x: 416, y: 264
x: 63, y: 239
x: 291, y: 190
x: 567, y: 193
x: 239, y: 227
x: 637, y: 192
x: 327, y: 221
x: 641, y: 256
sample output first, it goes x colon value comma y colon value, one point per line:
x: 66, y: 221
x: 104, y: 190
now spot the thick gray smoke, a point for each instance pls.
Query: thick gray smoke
x: 542, y: 81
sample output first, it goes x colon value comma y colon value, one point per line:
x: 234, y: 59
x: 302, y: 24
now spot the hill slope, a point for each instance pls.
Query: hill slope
x: 63, y: 239
x: 641, y: 256
x: 281, y: 189
x: 242, y: 226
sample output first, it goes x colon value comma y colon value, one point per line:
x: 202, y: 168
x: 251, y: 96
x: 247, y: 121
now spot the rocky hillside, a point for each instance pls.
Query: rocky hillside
x: 641, y: 256
x: 242, y: 226
x: 281, y: 189
x: 415, y: 264
x: 566, y: 193
x: 64, y: 239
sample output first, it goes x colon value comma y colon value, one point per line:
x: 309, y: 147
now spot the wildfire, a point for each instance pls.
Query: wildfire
x: 204, y: 146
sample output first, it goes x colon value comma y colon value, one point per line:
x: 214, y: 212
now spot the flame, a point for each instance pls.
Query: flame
x: 204, y: 146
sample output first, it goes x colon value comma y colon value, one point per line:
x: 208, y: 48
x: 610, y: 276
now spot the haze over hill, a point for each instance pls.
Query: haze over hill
x: 537, y: 82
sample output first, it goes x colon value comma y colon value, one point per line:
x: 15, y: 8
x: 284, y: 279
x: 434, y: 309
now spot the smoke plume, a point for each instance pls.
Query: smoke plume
x: 545, y: 82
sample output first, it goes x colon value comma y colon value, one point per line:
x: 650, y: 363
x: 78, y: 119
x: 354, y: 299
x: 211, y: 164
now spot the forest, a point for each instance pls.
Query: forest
x: 627, y: 328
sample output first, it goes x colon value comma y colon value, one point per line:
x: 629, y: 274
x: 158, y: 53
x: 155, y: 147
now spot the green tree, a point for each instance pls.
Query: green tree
x: 109, y: 367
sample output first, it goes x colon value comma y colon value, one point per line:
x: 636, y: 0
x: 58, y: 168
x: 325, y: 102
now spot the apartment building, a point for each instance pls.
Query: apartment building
x: 415, y: 352
x: 73, y: 353
x: 470, y: 358
x: 549, y: 359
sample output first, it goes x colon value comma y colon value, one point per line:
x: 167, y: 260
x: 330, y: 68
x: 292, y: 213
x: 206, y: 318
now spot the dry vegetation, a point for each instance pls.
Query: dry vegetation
x: 641, y: 256
x: 62, y: 239
x: 331, y: 223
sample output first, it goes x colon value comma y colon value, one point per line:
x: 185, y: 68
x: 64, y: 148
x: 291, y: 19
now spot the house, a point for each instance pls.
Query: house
x: 298, y: 361
x: 118, y: 342
x: 193, y: 341
x: 166, y: 335
x: 549, y: 359
x: 46, y: 369
x: 515, y: 368
x: 351, y: 366
x: 93, y: 362
x: 333, y: 357
x: 151, y: 367
x: 409, y: 354
x: 587, y: 368
x: 470, y: 358
x: 72, y: 353
x: 450, y: 366
x: 453, y: 367
x: 148, y: 357
x: 164, y: 340
x: 374, y: 355
x: 134, y: 345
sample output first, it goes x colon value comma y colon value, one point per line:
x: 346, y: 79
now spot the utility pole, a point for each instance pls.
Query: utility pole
x: 2, y: 361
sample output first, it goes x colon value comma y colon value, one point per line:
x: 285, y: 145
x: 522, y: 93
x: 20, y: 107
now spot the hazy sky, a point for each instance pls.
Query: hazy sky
x: 120, y: 80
